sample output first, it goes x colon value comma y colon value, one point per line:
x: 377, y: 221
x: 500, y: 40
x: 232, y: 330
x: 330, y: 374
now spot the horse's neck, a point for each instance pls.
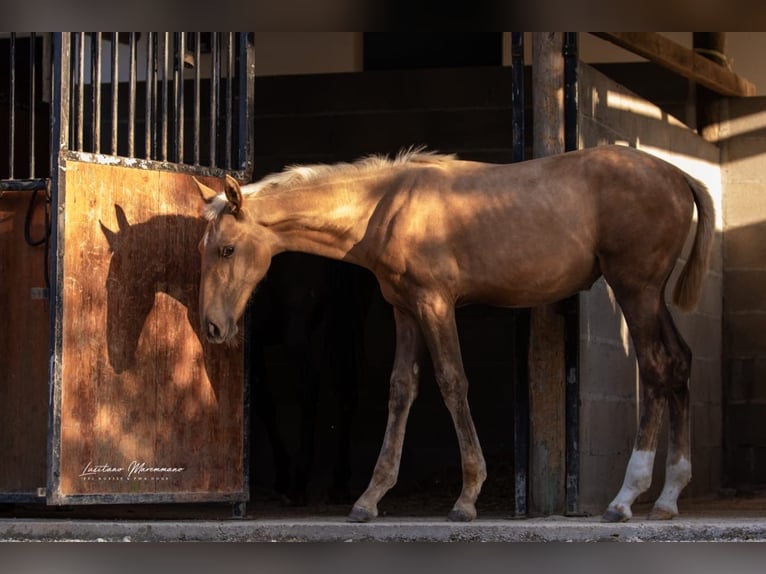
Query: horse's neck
x: 323, y: 220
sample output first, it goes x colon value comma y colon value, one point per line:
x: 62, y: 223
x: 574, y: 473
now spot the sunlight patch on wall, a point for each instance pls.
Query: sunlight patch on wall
x: 707, y: 172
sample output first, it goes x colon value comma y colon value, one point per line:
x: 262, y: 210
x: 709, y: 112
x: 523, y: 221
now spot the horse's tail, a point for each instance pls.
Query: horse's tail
x: 686, y: 292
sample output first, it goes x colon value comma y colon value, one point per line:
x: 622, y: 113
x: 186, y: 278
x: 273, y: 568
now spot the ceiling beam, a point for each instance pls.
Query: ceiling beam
x: 681, y: 60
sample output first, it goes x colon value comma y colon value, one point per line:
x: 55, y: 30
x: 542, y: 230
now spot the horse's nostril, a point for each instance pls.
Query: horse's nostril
x: 213, y: 330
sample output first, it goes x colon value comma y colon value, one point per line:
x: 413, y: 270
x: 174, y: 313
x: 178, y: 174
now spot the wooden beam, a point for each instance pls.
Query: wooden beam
x: 681, y: 60
x: 547, y: 389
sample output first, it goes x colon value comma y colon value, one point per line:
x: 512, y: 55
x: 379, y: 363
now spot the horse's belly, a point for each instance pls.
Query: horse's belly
x: 522, y: 288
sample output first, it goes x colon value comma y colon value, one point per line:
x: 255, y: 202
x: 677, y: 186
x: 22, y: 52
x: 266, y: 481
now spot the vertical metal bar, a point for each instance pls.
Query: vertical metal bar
x: 179, y: 88
x: 572, y: 305
x: 149, y: 94
x: 61, y: 43
x: 164, y: 113
x: 115, y: 88
x: 229, y: 95
x: 215, y: 78
x: 32, y: 107
x: 80, y: 115
x: 197, y: 51
x: 95, y: 80
x: 517, y: 94
x: 521, y: 389
x: 132, y: 96
x: 246, y: 102
x: 12, y: 109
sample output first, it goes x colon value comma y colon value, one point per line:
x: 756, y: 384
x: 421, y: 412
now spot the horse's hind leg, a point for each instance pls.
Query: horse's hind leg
x: 402, y: 393
x: 664, y: 365
x: 678, y: 470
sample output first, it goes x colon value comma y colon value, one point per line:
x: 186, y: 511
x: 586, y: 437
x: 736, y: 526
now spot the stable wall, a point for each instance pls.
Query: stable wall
x: 743, y: 157
x: 609, y: 113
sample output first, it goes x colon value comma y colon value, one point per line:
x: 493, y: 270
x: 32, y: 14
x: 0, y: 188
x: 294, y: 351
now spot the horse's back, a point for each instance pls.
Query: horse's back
x: 521, y: 234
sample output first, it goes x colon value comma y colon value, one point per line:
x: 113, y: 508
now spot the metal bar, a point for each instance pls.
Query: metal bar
x: 179, y: 88
x: 215, y: 78
x: 132, y: 96
x: 12, y: 108
x: 197, y: 51
x: 30, y: 184
x: 115, y: 88
x: 164, y: 115
x: 229, y: 95
x: 95, y: 82
x: 32, y: 93
x: 572, y: 305
x: 80, y: 114
x: 246, y: 102
x: 148, y: 131
x: 521, y: 389
x: 517, y: 94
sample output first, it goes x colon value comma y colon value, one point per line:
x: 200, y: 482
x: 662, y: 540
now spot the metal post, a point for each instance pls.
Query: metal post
x: 12, y: 109
x: 115, y: 89
x: 246, y: 102
x: 132, y: 96
x: 32, y: 105
x: 60, y: 108
x: 517, y: 94
x: 521, y: 390
x: 215, y: 79
x: 95, y: 83
x: 197, y: 52
x: 572, y: 305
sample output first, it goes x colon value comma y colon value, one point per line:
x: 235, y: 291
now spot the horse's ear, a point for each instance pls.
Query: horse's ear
x: 122, y: 219
x: 111, y: 236
x: 207, y: 193
x: 233, y: 194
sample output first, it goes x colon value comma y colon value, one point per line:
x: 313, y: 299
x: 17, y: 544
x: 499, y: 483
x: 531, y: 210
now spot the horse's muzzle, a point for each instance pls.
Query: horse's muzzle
x: 216, y: 334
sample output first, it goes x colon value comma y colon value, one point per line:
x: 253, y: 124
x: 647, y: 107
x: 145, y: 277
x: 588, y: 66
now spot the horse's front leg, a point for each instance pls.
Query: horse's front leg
x: 402, y: 393
x: 437, y: 318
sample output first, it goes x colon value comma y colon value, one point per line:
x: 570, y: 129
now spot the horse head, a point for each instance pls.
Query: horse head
x: 236, y: 253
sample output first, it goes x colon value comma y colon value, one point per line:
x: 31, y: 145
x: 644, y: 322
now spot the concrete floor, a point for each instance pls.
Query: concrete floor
x: 721, y: 519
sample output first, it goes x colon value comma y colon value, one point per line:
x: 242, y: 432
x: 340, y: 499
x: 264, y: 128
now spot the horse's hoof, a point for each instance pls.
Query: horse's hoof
x: 659, y: 513
x: 359, y: 514
x: 613, y: 515
x: 460, y: 515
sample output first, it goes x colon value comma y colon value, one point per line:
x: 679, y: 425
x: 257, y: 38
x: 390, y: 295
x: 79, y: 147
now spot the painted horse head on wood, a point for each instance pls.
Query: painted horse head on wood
x: 438, y: 232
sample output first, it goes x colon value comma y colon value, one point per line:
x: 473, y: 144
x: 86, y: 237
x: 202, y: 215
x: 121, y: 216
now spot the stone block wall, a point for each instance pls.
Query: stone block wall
x: 743, y: 157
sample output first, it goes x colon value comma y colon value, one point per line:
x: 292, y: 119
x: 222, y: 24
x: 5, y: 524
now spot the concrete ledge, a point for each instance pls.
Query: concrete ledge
x: 384, y: 530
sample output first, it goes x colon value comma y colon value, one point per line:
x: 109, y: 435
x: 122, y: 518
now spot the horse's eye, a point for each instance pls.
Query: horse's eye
x: 227, y: 251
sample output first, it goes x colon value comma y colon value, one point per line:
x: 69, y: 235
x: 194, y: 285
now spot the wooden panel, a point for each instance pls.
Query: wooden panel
x: 547, y: 397
x: 140, y: 389
x: 23, y: 347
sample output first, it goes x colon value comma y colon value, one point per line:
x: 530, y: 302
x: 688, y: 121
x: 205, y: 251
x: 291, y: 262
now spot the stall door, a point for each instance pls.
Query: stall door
x: 144, y: 408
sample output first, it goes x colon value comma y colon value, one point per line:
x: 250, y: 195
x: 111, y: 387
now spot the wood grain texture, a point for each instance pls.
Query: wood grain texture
x: 681, y: 60
x: 23, y: 347
x: 139, y: 385
x: 547, y: 390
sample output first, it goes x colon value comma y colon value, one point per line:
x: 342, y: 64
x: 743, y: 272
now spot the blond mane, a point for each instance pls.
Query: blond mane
x: 298, y: 175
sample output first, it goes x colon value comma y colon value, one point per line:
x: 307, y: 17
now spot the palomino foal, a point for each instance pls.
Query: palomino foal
x: 438, y: 232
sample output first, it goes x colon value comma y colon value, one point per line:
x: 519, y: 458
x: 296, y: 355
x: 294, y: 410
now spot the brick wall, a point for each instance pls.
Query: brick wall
x: 743, y: 151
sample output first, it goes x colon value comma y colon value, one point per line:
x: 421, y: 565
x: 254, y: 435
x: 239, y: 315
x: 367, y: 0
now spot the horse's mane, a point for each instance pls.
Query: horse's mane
x: 297, y: 175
